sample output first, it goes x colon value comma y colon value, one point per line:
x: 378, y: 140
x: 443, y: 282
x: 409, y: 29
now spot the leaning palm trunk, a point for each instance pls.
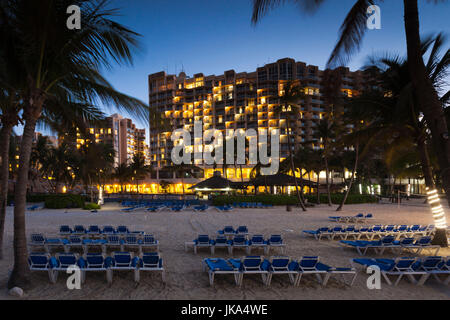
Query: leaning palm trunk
x: 327, y: 171
x: 351, y: 179
x: 425, y: 163
x: 5, y: 135
x: 291, y: 156
x: 429, y: 103
x: 19, y: 275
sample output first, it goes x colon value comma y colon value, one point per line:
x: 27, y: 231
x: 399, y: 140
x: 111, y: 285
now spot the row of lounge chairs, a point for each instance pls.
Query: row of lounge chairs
x: 131, y: 241
x: 230, y: 231
x: 359, y: 218
x: 95, y: 262
x: 95, y: 230
x: 389, y: 242
x: 278, y: 265
x: 417, y: 270
x: 258, y: 205
x: 238, y: 241
x: 343, y: 233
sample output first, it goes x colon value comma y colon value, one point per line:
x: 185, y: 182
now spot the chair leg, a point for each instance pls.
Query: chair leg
x: 137, y: 276
x: 109, y: 275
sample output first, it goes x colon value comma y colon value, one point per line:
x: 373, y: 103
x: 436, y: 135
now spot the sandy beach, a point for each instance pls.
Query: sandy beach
x: 184, y: 276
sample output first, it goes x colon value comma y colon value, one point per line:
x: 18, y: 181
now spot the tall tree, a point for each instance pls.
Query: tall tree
x: 60, y: 65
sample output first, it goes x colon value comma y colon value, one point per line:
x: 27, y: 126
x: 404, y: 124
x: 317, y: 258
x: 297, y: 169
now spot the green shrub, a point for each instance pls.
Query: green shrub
x: 278, y: 200
x: 91, y: 206
x: 63, y: 201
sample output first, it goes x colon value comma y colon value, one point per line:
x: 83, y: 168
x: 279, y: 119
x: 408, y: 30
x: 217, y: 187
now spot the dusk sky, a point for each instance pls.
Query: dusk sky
x: 211, y: 36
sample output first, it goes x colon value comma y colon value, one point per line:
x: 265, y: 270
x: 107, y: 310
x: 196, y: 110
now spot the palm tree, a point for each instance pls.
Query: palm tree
x: 326, y: 134
x: 123, y: 174
x: 290, y: 98
x: 60, y: 66
x: 138, y: 169
x: 351, y: 34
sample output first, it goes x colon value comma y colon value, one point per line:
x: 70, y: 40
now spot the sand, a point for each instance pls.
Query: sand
x: 184, y: 276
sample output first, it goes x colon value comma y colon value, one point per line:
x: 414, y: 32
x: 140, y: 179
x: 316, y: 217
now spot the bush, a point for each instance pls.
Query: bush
x: 91, y: 206
x: 279, y: 200
x: 64, y: 201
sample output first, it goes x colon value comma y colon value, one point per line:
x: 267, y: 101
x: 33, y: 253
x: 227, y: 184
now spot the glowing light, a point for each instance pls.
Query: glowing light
x: 436, y: 209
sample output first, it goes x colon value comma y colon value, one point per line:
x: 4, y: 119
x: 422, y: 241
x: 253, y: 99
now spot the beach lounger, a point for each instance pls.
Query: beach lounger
x: 52, y: 243
x: 252, y: 265
x: 149, y: 241
x: 62, y: 262
x: 239, y: 242
x: 151, y: 261
x: 108, y: 230
x: 337, y: 231
x: 319, y: 233
x: 124, y: 261
x: 132, y: 241
x: 79, y: 230
x: 203, y: 241
x: 40, y: 262
x: 122, y: 230
x: 276, y: 241
x: 308, y: 265
x: 363, y: 246
x: 416, y: 247
x: 357, y: 218
x: 228, y: 231
x: 73, y: 242
x: 65, y: 230
x: 220, y: 266
x: 38, y: 241
x: 101, y: 244
x: 257, y: 242
x: 94, y: 231
x: 242, y: 230
x: 341, y: 271
x: 95, y: 262
x: 114, y: 241
x: 222, y: 242
x: 437, y: 267
x: 34, y: 208
x: 399, y: 267
x: 282, y: 265
x: 349, y: 231
x: 224, y: 208
x: 201, y: 208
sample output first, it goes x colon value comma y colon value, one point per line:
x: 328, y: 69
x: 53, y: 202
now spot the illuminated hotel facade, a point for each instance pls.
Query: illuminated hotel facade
x: 236, y: 101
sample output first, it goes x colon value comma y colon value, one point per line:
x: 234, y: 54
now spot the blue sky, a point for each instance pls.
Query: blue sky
x: 211, y: 36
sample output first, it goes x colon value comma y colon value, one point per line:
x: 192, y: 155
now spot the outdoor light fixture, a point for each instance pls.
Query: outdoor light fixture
x: 436, y: 209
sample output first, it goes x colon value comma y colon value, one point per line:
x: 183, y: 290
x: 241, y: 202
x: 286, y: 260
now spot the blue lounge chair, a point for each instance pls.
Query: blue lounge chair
x: 51, y: 243
x: 201, y: 208
x: 282, y: 265
x: 239, y: 242
x: 122, y: 230
x: 378, y: 246
x: 203, y: 241
x: 319, y: 233
x: 124, y: 261
x: 275, y: 241
x: 93, y: 231
x: 308, y: 265
x: 79, y: 230
x: 132, y: 241
x: 65, y: 230
x: 62, y: 262
x: 114, y: 241
x: 220, y: 266
x: 34, y: 208
x: 38, y: 241
x: 242, y: 230
x: 95, y: 243
x: 222, y: 242
x: 108, y: 230
x: 72, y: 243
x: 399, y: 267
x: 252, y: 265
x: 149, y: 241
x: 151, y: 261
x: 41, y: 262
x: 256, y: 242
x: 437, y: 267
x: 95, y: 262
x: 228, y: 231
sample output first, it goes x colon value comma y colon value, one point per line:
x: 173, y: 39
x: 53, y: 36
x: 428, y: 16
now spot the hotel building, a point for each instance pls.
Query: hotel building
x: 245, y: 100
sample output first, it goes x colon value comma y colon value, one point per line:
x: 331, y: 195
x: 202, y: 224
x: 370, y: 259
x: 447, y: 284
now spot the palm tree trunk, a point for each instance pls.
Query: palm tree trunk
x: 327, y: 171
x: 318, y: 183
x: 291, y: 156
x: 5, y: 136
x: 351, y: 179
x: 426, y: 94
x: 425, y: 163
x: 19, y: 275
